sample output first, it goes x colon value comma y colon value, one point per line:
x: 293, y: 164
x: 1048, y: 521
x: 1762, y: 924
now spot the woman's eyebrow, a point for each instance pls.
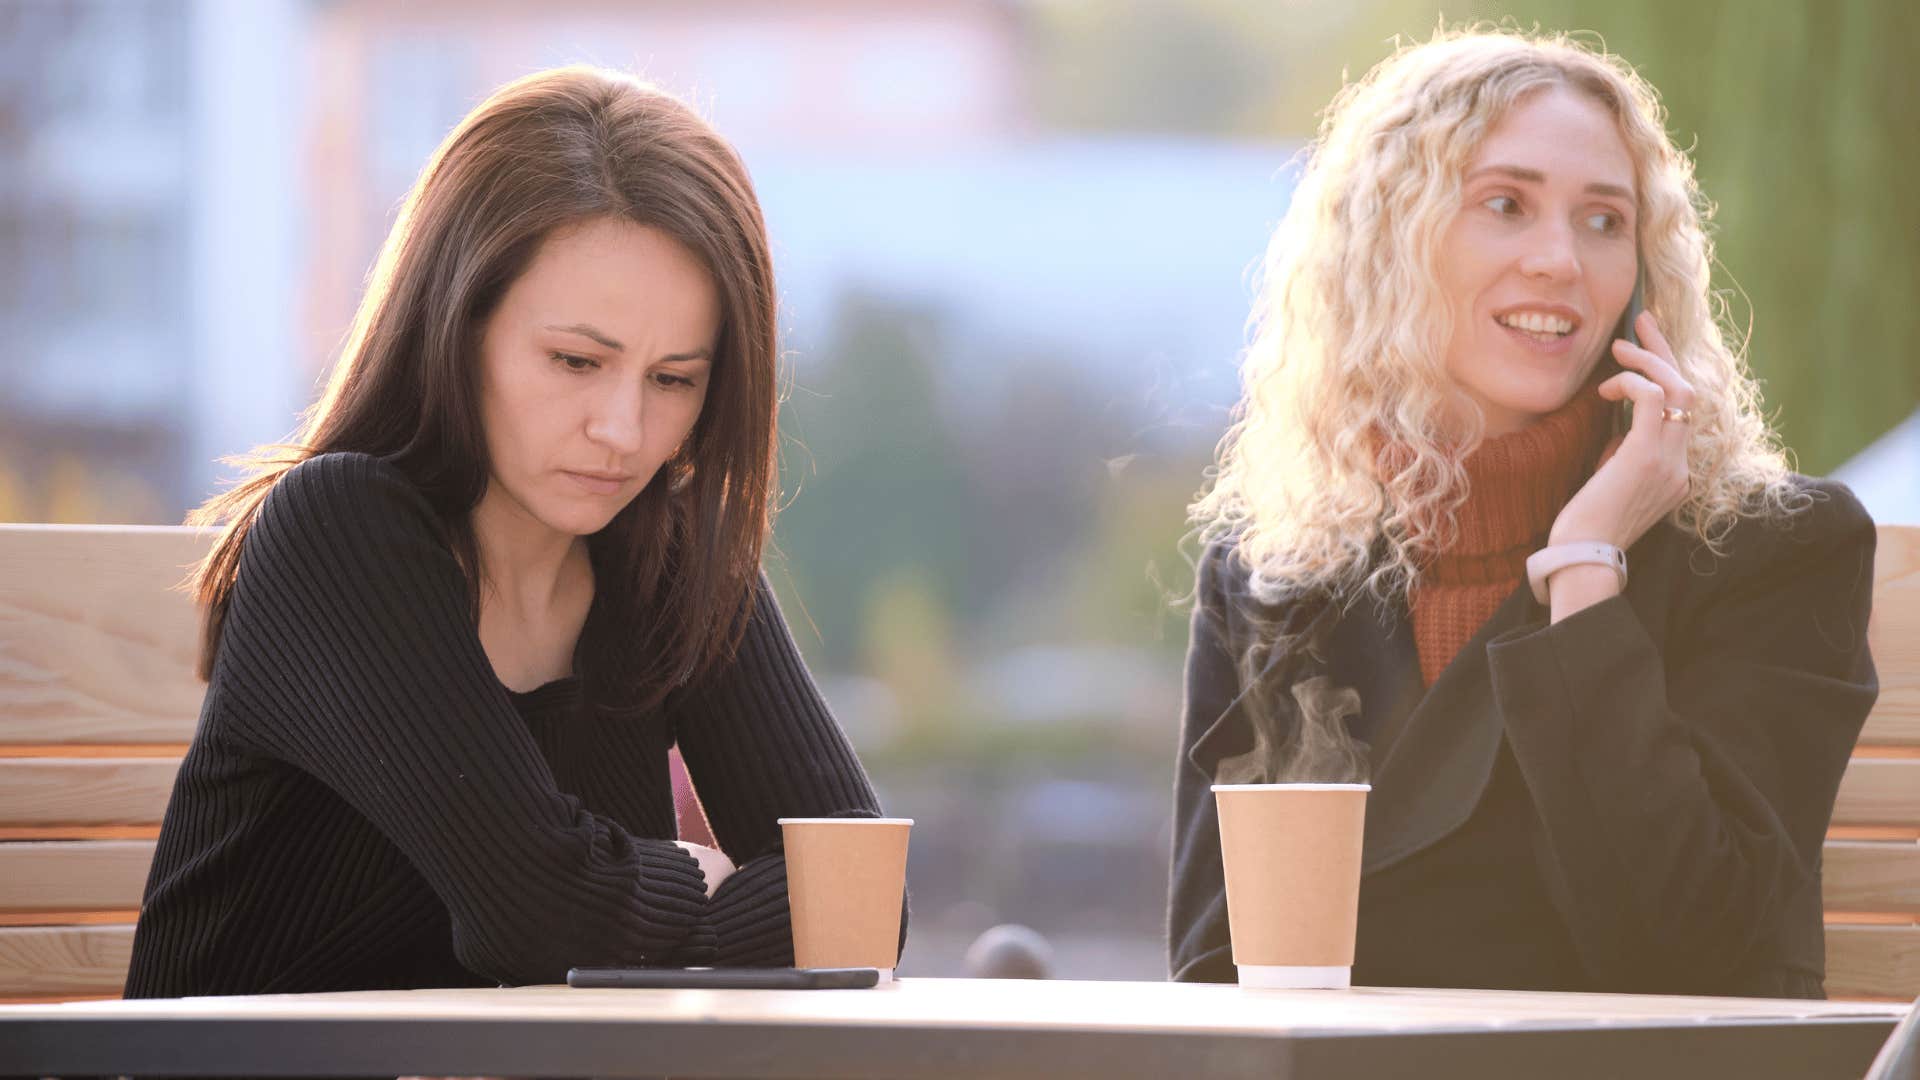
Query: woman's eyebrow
x: 587, y: 330
x: 1535, y: 176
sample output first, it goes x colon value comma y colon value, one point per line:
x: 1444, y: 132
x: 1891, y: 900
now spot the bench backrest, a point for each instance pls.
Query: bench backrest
x: 98, y: 700
x: 1872, y: 858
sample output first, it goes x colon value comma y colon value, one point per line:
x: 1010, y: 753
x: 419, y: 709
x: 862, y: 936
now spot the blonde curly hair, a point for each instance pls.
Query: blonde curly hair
x: 1349, y: 331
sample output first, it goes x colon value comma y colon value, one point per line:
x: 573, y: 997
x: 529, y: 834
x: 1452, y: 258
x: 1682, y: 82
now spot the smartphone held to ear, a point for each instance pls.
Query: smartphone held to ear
x: 1624, y: 331
x: 1636, y: 304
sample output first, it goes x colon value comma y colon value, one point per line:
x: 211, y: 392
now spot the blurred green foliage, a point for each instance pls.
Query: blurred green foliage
x: 937, y: 520
x: 873, y: 487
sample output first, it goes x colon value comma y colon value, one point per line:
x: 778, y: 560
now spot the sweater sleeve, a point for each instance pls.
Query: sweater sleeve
x: 1199, y: 948
x: 1683, y: 791
x: 760, y: 744
x: 349, y: 652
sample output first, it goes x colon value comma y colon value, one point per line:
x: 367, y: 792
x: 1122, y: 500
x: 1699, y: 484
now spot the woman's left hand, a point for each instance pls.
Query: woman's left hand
x: 1644, y: 476
x: 714, y: 863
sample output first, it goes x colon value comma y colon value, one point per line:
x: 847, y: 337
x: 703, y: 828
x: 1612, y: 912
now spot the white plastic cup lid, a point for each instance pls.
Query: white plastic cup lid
x: 1293, y: 787
x: 843, y: 821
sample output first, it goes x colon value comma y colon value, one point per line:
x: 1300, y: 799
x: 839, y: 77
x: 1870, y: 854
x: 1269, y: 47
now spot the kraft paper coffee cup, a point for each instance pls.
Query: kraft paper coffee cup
x: 846, y: 878
x: 1292, y: 858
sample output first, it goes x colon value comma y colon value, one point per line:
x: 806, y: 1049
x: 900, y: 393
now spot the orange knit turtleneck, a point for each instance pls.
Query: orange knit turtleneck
x: 1517, y: 484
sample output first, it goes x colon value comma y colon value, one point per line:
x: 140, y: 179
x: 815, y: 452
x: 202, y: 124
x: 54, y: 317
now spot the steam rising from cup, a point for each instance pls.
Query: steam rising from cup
x: 1303, y: 743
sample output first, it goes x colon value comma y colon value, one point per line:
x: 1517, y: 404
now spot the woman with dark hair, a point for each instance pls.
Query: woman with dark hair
x: 513, y: 557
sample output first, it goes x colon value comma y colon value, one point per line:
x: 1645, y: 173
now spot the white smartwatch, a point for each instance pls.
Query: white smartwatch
x: 1542, y: 564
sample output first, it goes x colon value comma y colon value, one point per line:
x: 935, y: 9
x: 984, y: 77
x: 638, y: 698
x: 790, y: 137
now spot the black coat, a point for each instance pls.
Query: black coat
x: 1631, y: 800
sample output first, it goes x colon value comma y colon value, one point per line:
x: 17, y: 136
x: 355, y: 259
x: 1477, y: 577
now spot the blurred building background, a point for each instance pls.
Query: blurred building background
x: 1015, y: 241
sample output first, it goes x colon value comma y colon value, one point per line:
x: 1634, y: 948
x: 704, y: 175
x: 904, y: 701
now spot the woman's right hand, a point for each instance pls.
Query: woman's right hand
x: 1645, y: 477
x: 1642, y: 478
x: 714, y: 863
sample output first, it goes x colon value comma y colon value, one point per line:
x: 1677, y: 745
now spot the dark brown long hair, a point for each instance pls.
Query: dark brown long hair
x: 675, y: 569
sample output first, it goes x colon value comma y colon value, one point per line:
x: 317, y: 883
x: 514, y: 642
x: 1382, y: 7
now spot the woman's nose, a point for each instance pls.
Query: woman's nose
x: 618, y: 420
x: 1552, y: 255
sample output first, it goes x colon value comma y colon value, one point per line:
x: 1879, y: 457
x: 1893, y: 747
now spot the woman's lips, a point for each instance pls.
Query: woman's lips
x: 595, y: 484
x: 1541, y: 344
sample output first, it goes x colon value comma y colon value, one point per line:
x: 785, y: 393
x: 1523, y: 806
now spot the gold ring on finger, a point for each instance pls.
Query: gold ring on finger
x: 1679, y: 415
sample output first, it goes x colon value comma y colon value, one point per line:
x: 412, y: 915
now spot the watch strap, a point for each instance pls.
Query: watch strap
x: 1544, y: 563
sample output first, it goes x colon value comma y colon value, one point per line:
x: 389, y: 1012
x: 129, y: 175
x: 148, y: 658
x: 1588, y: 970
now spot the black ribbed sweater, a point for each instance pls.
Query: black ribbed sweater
x: 365, y: 806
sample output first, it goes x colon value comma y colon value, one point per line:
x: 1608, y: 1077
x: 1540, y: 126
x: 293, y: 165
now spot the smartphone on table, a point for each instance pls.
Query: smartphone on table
x: 724, y: 978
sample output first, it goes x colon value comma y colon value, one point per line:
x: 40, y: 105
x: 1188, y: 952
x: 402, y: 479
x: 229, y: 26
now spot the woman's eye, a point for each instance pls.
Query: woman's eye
x: 1605, y: 222
x: 671, y: 381
x: 575, y: 363
x: 1502, y: 204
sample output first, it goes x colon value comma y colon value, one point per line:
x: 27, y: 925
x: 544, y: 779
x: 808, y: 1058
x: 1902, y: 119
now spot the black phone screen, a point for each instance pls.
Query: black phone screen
x: 1635, y: 305
x: 724, y: 978
x: 1623, y: 331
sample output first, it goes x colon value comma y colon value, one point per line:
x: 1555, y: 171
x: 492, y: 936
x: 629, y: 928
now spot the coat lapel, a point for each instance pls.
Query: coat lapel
x: 1440, y: 759
x: 1372, y: 650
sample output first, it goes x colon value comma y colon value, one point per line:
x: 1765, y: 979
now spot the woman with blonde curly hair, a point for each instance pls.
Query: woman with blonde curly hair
x: 1609, y: 664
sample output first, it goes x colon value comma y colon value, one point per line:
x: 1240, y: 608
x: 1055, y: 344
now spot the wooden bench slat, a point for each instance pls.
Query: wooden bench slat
x: 1893, y: 722
x: 69, y: 750
x: 95, y: 644
x: 1894, y: 637
x: 47, y: 960
x: 1836, y: 917
x: 1873, y: 832
x: 1879, y: 791
x: 1871, y: 876
x: 85, y: 791
x: 79, y: 832
x: 1873, y: 961
x: 73, y: 876
x: 123, y: 916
